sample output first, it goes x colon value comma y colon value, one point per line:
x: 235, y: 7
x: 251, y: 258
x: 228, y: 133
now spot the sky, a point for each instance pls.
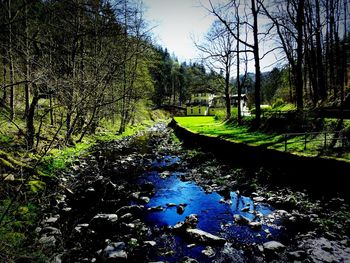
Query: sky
x: 176, y: 23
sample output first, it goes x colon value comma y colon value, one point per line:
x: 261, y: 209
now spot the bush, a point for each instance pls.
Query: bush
x: 278, y: 103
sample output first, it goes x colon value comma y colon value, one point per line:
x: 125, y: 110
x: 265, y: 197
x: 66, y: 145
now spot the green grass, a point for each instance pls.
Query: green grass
x: 211, y: 126
x: 59, y: 159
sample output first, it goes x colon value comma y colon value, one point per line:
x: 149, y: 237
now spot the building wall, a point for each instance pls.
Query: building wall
x: 212, y: 111
x: 196, y: 110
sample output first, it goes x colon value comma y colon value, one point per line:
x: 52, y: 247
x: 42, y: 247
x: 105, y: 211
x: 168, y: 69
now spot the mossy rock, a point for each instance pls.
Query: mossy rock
x: 8, y: 163
x: 5, y: 164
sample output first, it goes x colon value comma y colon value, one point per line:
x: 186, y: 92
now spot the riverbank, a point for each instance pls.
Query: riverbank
x: 30, y: 178
x: 148, y: 198
x: 134, y: 199
x: 271, y: 137
x: 318, y: 174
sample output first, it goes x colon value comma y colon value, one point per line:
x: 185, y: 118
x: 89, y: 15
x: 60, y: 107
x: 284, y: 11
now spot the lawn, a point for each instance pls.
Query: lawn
x: 211, y: 126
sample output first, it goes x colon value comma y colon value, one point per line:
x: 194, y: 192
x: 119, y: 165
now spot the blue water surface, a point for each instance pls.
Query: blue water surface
x: 214, y: 217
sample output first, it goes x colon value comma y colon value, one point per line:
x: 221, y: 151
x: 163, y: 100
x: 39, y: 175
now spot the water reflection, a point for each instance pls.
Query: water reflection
x: 214, y: 217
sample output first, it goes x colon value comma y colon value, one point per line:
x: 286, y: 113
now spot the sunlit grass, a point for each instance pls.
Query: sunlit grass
x: 211, y: 126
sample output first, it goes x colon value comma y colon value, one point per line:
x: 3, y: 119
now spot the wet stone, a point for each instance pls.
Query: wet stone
x: 51, y: 221
x: 156, y: 208
x: 115, y: 252
x: 204, y: 237
x: 299, y: 254
x: 150, y: 243
x: 258, y: 199
x: 51, y: 231
x: 133, y: 209
x: 188, y: 260
x: 180, y: 209
x: 144, y: 199
x: 48, y: 241
x: 245, y: 209
x: 104, y: 222
x: 273, y: 246
x: 209, y: 252
x: 241, y: 219
x: 126, y: 217
x: 255, y: 225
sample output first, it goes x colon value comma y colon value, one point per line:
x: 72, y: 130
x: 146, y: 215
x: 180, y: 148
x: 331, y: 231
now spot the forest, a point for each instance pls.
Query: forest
x: 79, y: 74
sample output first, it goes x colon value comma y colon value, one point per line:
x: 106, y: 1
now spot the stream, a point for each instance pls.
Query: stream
x: 215, y: 212
x: 146, y: 198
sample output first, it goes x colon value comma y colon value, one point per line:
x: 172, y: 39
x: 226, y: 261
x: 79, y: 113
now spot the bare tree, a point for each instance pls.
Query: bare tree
x: 288, y: 19
x: 253, y: 47
x: 219, y: 53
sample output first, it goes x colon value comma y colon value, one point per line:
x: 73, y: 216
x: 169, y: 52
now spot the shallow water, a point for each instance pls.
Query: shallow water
x: 214, y: 217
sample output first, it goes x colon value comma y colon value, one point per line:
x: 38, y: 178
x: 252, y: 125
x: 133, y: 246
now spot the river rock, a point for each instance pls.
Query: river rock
x: 324, y: 250
x: 209, y: 252
x: 191, y: 221
x: 48, y: 241
x: 245, y: 209
x: 241, y: 219
x: 258, y: 199
x: 180, y: 209
x: 273, y: 246
x: 150, y: 243
x: 51, y: 221
x: 188, y: 260
x: 297, y: 255
x: 126, y: 217
x: 104, y: 222
x: 49, y: 230
x: 133, y: 209
x: 144, y: 199
x: 135, y: 195
x: 204, y: 237
x: 155, y: 208
x: 115, y: 252
x: 255, y: 225
x: 225, y: 201
x: 164, y: 174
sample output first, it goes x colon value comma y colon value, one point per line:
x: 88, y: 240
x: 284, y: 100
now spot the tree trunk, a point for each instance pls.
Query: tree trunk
x: 239, y: 88
x: 27, y: 61
x: 227, y: 93
x: 299, y: 65
x: 30, y: 133
x: 12, y: 90
x: 257, y: 64
x: 320, y: 70
x: 4, y: 76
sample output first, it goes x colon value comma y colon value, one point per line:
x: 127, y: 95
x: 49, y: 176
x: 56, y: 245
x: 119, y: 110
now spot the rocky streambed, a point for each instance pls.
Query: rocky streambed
x: 146, y: 198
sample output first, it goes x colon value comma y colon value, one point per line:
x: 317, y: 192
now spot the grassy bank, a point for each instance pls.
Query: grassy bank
x: 28, y: 179
x: 213, y: 126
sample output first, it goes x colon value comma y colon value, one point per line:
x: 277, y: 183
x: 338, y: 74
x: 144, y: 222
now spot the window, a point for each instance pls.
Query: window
x: 199, y: 110
x: 191, y: 110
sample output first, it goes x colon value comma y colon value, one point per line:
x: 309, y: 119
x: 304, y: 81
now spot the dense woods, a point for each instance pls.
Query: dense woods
x: 73, y: 64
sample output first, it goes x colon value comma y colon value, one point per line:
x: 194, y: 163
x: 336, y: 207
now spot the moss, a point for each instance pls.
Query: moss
x: 10, y: 162
x: 6, y: 164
